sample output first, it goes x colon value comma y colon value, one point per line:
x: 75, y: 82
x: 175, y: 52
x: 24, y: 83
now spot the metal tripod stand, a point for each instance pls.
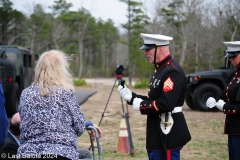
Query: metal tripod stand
x: 125, y: 115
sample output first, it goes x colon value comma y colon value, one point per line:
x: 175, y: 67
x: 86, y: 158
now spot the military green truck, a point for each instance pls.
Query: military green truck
x: 205, y: 84
x: 15, y: 74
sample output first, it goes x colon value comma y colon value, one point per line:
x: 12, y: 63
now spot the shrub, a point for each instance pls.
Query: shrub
x: 79, y: 82
x: 142, y: 84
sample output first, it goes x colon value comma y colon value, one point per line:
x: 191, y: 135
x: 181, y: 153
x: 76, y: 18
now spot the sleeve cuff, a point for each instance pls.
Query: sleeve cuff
x: 88, y: 123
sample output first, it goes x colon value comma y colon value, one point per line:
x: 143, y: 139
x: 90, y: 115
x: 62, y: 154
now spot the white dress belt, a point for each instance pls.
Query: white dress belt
x: 177, y: 109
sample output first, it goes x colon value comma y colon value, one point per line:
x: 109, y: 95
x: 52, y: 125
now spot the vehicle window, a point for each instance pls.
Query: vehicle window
x: 12, y: 57
x: 27, y: 60
x: 12, y: 50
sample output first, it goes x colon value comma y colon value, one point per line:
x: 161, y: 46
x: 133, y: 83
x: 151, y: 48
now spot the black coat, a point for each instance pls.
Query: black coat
x: 231, y: 95
x: 10, y: 147
x: 167, y: 90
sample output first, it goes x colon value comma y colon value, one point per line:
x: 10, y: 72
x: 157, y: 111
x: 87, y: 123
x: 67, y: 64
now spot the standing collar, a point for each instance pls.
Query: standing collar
x: 164, y: 61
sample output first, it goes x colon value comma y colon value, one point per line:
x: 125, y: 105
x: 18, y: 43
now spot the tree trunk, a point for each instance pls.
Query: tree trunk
x: 196, y: 58
x: 184, y: 48
x: 80, y: 49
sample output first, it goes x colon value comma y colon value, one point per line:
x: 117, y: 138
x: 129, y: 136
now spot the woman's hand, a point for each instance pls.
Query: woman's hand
x: 92, y: 133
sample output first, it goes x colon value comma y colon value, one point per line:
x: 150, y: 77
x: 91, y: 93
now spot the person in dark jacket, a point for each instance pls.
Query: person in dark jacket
x: 12, y: 143
x: 3, y: 118
x: 167, y: 131
x: 229, y: 101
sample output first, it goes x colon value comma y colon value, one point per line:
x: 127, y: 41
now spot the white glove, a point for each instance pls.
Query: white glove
x: 136, y: 103
x: 220, y: 104
x: 211, y: 102
x: 125, y: 92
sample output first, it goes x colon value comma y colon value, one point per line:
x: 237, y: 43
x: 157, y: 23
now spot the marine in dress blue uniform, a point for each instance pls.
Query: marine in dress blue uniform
x: 229, y: 101
x: 163, y: 104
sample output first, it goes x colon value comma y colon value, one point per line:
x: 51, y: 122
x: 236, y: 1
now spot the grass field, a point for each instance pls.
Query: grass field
x: 206, y: 128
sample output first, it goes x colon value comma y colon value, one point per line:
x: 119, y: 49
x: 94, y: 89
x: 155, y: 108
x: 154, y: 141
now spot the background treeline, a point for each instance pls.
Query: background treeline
x: 198, y: 27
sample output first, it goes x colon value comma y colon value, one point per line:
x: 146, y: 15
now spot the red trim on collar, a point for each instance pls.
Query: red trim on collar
x: 163, y: 62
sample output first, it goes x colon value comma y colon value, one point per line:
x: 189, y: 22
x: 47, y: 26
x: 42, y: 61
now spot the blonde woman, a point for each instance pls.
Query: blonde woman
x: 51, y: 117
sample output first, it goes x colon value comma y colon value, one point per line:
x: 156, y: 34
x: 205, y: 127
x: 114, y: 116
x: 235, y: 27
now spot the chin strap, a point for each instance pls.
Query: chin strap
x: 155, y: 55
x: 238, y: 66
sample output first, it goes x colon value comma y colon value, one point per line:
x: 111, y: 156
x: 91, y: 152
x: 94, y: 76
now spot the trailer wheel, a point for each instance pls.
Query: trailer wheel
x: 202, y: 93
x: 12, y: 101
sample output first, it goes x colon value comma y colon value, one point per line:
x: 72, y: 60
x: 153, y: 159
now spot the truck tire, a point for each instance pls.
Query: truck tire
x: 188, y: 100
x: 202, y: 93
x: 12, y: 101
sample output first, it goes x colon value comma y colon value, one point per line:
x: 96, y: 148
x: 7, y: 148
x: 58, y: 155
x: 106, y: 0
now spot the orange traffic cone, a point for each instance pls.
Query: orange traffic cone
x: 123, y: 143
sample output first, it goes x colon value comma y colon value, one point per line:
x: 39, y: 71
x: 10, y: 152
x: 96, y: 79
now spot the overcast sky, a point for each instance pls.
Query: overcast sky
x: 104, y: 9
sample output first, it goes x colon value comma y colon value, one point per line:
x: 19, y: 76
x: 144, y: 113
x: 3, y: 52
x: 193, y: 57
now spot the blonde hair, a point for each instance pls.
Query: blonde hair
x: 52, y: 70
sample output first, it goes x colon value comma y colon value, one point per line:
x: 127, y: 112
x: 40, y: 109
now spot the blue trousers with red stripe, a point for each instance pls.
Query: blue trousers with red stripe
x: 234, y: 147
x: 170, y: 155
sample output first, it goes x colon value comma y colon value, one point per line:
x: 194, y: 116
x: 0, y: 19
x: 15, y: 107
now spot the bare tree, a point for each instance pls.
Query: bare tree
x: 58, y: 33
